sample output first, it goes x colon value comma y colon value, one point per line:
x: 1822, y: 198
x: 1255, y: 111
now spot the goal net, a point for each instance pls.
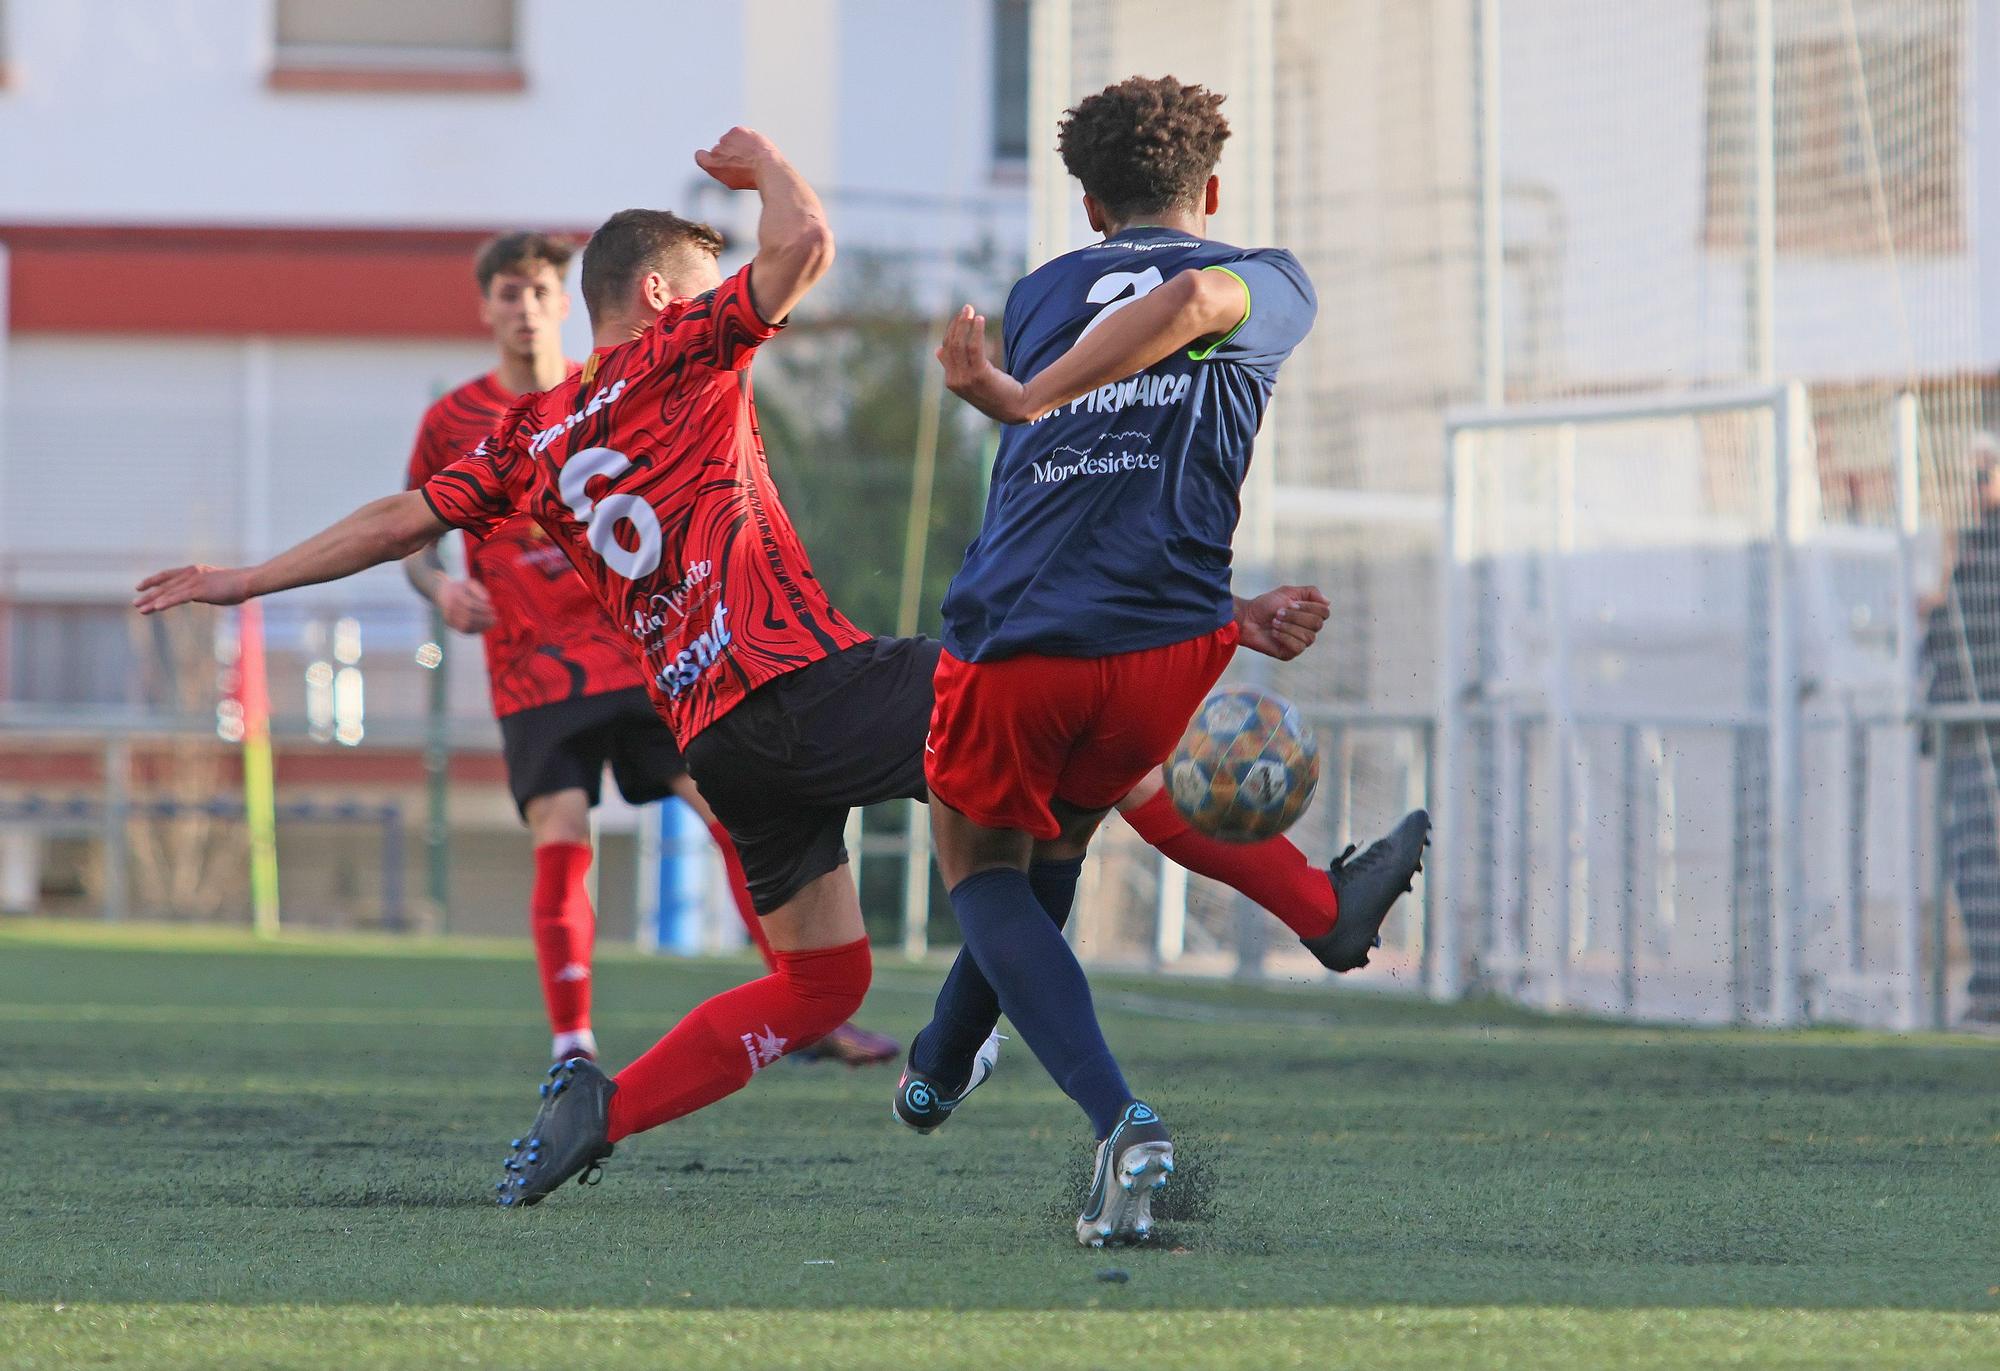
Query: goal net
x: 1505, y: 203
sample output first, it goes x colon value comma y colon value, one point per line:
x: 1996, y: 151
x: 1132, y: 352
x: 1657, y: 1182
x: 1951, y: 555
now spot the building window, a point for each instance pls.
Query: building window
x: 1010, y: 82
x: 396, y: 45
x: 1854, y: 148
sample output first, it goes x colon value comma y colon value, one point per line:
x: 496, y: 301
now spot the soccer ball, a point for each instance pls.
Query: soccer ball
x: 1246, y: 767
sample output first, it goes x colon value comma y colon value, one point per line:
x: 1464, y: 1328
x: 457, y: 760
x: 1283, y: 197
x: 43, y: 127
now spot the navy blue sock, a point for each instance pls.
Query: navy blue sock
x: 1054, y: 884
x: 967, y: 1009
x: 1018, y: 950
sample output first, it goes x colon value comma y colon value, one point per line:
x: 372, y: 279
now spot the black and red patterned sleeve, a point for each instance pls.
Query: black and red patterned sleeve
x: 479, y: 491
x: 721, y: 329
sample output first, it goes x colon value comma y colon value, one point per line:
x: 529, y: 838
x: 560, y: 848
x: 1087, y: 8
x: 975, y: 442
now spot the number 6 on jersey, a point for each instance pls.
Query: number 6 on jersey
x: 602, y: 517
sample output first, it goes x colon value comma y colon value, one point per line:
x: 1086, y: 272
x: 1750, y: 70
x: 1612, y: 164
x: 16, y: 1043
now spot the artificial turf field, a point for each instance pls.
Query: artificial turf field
x: 222, y: 1154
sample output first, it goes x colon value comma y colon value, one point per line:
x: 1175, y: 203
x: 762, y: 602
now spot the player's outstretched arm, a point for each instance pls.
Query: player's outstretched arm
x: 794, y: 244
x: 1282, y: 623
x: 381, y: 531
x: 1196, y: 304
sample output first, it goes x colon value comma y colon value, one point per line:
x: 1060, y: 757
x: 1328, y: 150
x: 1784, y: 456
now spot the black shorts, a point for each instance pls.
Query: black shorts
x: 564, y: 746
x: 784, y: 766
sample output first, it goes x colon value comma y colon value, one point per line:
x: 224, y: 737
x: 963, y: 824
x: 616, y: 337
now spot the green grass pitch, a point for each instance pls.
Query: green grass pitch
x: 219, y: 1154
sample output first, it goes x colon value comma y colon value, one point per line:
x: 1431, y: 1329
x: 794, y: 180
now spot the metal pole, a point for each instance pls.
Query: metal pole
x: 1562, y: 725
x: 392, y: 867
x: 1427, y: 964
x: 1857, y: 848
x: 916, y: 543
x: 1492, y: 248
x: 1628, y: 869
x: 1170, y: 923
x: 117, y: 829
x: 1788, y: 432
x: 916, y: 528
x: 1454, y: 557
x: 1339, y: 795
x: 437, y: 777
x: 1909, y: 641
x: 1049, y: 88
x: 1941, y: 874
x: 1762, y: 285
x: 1257, y: 535
x: 917, y: 883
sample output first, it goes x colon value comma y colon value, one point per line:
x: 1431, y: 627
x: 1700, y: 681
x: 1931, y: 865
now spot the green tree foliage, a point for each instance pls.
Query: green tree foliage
x: 840, y: 408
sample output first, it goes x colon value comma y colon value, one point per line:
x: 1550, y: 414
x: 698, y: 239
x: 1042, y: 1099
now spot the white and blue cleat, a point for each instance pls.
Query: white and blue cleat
x: 1132, y: 1164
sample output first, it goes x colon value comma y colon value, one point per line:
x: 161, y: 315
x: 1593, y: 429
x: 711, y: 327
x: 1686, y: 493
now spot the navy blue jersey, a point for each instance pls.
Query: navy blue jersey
x: 1109, y: 520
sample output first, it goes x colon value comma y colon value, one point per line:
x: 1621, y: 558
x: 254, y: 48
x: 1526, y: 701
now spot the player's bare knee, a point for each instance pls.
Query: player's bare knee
x: 965, y: 849
x: 562, y: 816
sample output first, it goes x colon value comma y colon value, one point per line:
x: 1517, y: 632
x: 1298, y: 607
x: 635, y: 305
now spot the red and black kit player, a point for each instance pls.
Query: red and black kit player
x: 567, y: 691
x: 647, y: 469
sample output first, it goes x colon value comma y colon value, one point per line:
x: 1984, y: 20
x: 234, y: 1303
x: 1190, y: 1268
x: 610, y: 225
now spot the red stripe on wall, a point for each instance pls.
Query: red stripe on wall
x: 283, y: 282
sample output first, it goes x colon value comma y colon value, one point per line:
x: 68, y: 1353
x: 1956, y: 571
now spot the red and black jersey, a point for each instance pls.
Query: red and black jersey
x: 549, y: 640
x: 648, y: 471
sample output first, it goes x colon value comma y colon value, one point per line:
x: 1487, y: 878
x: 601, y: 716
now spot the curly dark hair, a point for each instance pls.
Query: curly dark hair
x: 1144, y: 145
x: 514, y: 252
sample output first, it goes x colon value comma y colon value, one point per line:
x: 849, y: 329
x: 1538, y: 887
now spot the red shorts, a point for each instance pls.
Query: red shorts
x: 1009, y: 736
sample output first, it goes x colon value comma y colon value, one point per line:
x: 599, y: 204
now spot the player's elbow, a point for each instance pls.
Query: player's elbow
x: 810, y: 251
x: 408, y: 525
x: 1208, y: 302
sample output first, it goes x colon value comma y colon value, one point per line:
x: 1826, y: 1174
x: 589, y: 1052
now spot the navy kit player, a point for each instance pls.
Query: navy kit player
x: 1094, y: 611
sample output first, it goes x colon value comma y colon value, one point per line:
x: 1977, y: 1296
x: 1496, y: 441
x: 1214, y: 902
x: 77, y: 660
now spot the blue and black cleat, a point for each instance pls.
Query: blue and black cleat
x: 1367, y: 888
x: 568, y: 1137
x: 921, y: 1104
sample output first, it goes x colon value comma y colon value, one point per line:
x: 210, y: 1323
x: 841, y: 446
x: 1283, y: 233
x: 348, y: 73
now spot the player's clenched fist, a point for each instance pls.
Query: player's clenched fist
x: 1284, y: 622
x: 203, y: 585
x: 736, y: 156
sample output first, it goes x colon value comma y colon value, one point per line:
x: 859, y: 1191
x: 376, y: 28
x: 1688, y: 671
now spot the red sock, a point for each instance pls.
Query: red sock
x: 725, y: 1041
x: 739, y: 890
x: 560, y: 917
x: 1273, y: 872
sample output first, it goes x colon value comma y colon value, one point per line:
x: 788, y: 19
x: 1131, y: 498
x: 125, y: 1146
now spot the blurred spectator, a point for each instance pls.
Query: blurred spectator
x: 1962, y: 658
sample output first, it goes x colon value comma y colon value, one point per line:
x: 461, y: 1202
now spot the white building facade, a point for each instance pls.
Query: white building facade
x: 239, y: 236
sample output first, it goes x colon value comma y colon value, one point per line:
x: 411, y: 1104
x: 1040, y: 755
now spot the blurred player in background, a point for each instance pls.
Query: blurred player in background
x: 1962, y: 658
x: 566, y: 685
x: 1094, y: 610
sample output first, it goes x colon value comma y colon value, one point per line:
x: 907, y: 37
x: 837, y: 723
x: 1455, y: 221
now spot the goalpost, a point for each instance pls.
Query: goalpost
x: 1667, y: 743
